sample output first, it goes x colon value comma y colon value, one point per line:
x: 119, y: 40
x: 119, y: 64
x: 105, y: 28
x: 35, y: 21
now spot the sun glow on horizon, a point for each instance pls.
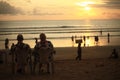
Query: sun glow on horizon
x: 85, y: 5
x: 87, y: 8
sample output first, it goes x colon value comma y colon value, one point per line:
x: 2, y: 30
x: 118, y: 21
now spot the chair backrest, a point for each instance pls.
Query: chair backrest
x: 22, y: 54
x: 44, y: 54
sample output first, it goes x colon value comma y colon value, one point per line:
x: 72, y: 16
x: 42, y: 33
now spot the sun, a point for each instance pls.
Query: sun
x: 87, y: 8
x: 85, y: 5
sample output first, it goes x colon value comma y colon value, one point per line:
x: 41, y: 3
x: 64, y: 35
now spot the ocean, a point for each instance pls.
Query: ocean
x: 59, y: 32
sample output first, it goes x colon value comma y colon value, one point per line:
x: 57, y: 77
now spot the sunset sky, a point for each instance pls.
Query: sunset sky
x: 59, y: 9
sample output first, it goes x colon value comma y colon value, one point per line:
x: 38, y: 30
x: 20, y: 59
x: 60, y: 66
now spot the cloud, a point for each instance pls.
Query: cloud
x: 111, y: 14
x: 6, y: 8
x: 44, y: 11
x: 110, y: 4
x: 28, y: 1
x: 114, y: 4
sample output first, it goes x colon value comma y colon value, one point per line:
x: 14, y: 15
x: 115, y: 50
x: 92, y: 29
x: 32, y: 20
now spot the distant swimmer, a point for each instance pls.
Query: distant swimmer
x: 101, y: 32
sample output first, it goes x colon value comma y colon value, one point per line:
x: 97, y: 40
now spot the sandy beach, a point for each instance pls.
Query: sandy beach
x: 94, y: 65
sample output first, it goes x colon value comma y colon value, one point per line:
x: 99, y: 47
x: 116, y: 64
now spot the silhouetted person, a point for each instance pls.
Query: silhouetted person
x: 36, y: 40
x: 108, y: 37
x: 101, y: 32
x: 84, y: 38
x: 96, y: 39
x: 114, y: 54
x: 6, y: 43
x: 22, y: 52
x: 79, y: 52
x: 7, y: 48
x: 72, y: 38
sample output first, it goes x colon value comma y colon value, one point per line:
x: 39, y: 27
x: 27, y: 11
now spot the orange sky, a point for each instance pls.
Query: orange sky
x: 59, y: 9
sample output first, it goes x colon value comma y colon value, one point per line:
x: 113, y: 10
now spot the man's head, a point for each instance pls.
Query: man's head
x: 20, y: 37
x: 42, y: 37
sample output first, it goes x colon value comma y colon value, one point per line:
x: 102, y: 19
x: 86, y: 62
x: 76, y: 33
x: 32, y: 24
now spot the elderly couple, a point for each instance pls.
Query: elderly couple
x: 22, y: 51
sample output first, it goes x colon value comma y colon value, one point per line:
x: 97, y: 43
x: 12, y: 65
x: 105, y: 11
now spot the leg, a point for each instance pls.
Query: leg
x: 34, y: 67
x: 40, y: 65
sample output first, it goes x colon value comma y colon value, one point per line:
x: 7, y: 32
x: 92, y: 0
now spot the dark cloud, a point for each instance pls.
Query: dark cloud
x: 110, y: 4
x: 6, y: 8
x: 115, y: 4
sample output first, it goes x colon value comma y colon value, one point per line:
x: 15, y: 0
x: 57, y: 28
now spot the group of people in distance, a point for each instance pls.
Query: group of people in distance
x: 23, y: 52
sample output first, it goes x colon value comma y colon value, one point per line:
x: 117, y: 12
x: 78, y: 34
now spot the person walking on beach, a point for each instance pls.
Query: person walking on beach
x: 22, y: 53
x: 79, y: 52
x: 46, y: 44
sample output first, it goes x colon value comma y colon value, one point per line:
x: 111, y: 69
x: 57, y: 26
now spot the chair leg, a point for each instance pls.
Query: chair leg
x: 34, y: 67
x: 48, y: 68
x: 53, y: 68
x: 31, y: 68
x: 13, y: 68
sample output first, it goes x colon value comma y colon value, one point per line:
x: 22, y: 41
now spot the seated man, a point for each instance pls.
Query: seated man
x: 22, y: 53
x: 42, y: 44
x: 114, y: 54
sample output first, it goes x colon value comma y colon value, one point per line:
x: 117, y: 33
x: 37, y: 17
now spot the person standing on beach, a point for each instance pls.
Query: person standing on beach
x: 84, y: 38
x: 36, y: 40
x: 72, y: 38
x: 7, y: 49
x: 43, y: 43
x: 79, y: 52
x: 96, y: 40
x: 22, y: 53
x: 6, y: 43
x: 108, y: 38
